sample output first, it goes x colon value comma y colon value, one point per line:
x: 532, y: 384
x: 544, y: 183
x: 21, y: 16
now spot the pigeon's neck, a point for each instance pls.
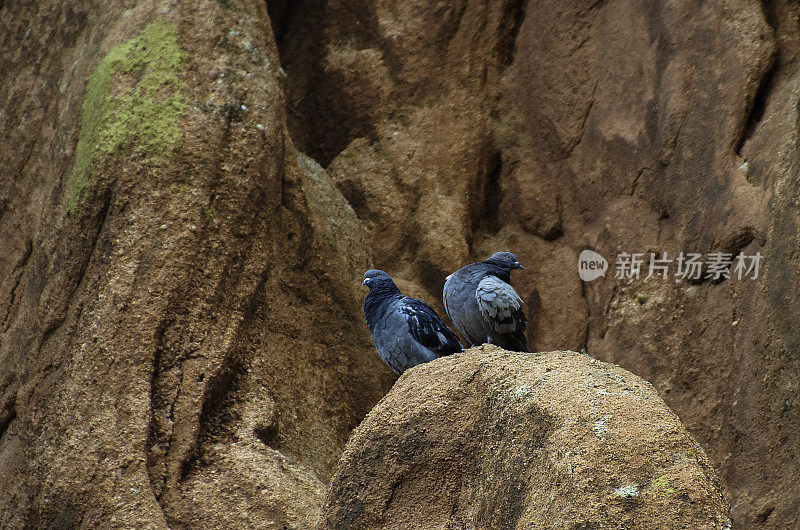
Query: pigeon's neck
x: 377, y: 301
x: 501, y: 272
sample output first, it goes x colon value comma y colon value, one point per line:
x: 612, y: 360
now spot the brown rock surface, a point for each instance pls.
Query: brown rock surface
x: 143, y: 354
x: 549, y: 127
x: 495, y: 439
x: 181, y: 332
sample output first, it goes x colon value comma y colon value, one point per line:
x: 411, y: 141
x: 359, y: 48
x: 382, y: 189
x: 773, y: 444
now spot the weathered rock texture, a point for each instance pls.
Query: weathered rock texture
x: 179, y: 298
x: 548, y: 127
x: 181, y: 306
x: 495, y: 439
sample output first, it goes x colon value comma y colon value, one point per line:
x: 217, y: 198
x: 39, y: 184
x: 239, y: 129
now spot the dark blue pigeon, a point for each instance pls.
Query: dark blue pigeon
x: 484, y: 307
x: 406, y: 331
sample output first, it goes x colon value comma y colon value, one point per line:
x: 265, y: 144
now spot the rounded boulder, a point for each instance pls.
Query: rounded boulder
x: 496, y: 439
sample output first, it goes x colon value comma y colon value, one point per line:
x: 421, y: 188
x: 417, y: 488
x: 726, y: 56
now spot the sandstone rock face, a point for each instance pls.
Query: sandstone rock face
x: 189, y: 193
x: 181, y: 305
x: 495, y: 439
x: 548, y: 127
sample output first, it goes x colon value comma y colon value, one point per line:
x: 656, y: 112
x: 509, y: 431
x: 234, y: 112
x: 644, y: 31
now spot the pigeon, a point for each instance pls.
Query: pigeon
x: 406, y: 331
x: 484, y: 307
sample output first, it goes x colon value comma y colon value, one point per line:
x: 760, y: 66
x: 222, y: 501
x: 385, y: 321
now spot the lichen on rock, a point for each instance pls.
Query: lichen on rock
x: 135, y: 92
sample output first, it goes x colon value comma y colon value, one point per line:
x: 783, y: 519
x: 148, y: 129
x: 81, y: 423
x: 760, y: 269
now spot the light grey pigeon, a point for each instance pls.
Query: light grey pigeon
x: 483, y: 306
x: 406, y: 331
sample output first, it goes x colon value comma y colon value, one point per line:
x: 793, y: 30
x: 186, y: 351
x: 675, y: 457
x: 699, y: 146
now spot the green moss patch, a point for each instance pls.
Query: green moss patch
x: 134, y: 93
x: 660, y: 487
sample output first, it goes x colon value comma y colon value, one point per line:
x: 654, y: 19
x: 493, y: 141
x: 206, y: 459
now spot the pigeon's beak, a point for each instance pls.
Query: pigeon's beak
x: 365, y: 282
x: 517, y: 265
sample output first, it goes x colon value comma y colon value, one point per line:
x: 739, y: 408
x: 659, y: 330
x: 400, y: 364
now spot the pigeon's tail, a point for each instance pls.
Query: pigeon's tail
x: 513, y: 341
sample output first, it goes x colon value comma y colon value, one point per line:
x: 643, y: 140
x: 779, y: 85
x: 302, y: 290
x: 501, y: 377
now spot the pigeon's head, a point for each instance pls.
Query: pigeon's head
x: 376, y: 278
x: 505, y: 260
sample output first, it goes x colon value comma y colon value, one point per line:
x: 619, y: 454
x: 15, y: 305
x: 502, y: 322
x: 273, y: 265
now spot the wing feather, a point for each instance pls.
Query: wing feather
x: 427, y: 328
x: 500, y: 305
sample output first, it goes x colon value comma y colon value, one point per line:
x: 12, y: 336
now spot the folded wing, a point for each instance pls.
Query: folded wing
x: 427, y: 328
x: 500, y: 305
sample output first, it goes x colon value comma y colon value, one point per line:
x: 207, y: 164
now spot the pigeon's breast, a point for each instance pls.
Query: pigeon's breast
x: 462, y: 306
